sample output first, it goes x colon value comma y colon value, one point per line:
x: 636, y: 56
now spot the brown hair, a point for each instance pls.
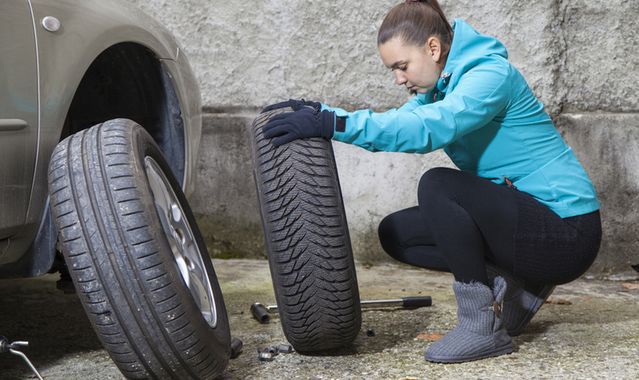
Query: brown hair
x: 414, y: 21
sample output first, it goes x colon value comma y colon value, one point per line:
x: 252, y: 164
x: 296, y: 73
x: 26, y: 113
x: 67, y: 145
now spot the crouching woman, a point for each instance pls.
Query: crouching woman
x: 518, y: 217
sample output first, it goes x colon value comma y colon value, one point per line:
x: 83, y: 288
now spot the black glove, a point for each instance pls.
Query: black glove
x: 286, y: 127
x: 295, y: 104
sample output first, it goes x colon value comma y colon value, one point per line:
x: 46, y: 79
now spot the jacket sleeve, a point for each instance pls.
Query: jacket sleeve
x: 481, y: 94
x: 416, y: 101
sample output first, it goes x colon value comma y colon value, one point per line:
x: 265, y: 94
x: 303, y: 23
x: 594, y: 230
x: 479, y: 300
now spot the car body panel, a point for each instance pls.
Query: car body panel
x: 69, y: 52
x: 87, y: 29
x: 18, y: 114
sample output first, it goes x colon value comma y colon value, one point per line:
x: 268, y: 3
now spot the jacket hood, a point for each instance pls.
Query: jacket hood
x: 468, y: 49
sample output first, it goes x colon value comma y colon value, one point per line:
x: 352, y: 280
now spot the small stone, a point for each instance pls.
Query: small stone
x: 370, y: 332
x: 558, y: 301
x: 429, y: 337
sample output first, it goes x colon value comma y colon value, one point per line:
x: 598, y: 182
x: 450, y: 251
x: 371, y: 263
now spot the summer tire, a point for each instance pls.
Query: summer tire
x: 307, y: 241
x: 136, y: 256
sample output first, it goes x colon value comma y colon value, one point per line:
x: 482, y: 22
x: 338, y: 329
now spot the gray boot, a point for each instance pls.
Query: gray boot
x: 520, y: 307
x: 479, y: 333
x: 521, y: 302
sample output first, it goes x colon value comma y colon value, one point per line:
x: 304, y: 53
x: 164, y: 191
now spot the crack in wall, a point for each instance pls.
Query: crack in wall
x: 560, y: 67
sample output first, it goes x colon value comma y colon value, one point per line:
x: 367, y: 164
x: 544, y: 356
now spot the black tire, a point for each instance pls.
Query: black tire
x: 306, y: 234
x: 121, y: 259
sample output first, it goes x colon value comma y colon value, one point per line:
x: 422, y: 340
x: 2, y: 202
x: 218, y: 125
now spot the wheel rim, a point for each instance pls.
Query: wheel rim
x: 184, y: 247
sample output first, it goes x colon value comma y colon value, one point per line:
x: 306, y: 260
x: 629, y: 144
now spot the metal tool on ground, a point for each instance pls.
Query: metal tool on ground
x: 269, y: 353
x: 266, y: 355
x: 236, y: 347
x: 12, y: 347
x: 262, y: 312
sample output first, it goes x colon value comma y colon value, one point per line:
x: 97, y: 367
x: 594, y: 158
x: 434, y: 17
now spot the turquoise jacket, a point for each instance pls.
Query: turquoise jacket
x: 488, y: 121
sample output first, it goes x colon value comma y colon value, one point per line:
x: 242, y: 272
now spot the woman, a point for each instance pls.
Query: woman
x: 521, y: 205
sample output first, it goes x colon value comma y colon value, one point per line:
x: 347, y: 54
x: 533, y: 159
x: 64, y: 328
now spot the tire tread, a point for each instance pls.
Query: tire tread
x: 307, y: 241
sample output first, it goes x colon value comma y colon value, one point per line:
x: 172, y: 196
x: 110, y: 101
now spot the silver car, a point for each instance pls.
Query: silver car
x: 99, y: 130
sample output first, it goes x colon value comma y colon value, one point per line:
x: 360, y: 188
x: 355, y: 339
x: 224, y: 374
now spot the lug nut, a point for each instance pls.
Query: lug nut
x: 284, y: 348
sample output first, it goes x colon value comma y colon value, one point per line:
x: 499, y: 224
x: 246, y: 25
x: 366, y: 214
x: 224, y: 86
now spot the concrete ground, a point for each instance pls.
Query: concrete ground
x: 588, y: 329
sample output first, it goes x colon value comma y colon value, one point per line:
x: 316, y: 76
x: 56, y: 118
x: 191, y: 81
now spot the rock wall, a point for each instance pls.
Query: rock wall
x: 581, y: 58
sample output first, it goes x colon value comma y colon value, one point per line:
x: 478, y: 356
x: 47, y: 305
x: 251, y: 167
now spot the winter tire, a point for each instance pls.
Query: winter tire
x: 307, y: 240
x: 136, y: 256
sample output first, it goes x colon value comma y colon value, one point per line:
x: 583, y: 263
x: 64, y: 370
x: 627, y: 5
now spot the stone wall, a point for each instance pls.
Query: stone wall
x: 579, y: 56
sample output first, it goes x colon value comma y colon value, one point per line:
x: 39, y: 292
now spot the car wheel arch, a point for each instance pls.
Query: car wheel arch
x: 128, y: 80
x: 97, y: 98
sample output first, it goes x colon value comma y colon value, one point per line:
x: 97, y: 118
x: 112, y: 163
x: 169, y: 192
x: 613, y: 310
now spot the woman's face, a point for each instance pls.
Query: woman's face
x: 416, y: 67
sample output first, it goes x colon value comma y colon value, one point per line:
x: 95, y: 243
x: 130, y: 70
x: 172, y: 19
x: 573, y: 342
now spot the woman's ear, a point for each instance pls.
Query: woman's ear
x: 434, y: 48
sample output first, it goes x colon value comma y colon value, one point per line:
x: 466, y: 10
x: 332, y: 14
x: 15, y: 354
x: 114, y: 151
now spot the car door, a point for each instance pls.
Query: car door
x: 18, y: 113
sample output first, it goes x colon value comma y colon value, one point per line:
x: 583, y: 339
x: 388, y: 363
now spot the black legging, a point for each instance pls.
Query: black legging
x: 463, y: 220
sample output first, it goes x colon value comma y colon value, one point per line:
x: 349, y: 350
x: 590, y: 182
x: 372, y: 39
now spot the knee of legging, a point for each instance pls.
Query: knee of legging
x: 388, y: 235
x: 436, y: 183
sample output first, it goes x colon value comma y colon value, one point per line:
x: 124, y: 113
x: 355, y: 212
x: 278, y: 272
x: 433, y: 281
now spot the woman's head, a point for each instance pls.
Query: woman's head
x: 413, y: 41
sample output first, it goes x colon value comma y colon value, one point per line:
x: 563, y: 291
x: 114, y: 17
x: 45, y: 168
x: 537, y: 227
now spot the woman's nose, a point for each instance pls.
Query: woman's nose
x: 400, y: 79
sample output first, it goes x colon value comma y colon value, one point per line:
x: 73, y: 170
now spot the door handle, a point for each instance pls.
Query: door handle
x: 12, y: 124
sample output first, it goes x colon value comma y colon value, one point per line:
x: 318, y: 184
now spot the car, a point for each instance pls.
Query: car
x: 100, y: 122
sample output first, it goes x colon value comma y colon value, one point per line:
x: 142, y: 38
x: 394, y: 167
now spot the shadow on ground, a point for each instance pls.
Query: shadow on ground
x: 53, y: 323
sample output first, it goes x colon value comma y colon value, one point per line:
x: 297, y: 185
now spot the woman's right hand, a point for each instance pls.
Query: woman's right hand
x: 300, y: 124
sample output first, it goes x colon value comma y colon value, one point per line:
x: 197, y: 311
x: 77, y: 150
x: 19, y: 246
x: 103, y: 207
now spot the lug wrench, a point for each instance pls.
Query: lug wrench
x: 7, y: 346
x: 262, y: 312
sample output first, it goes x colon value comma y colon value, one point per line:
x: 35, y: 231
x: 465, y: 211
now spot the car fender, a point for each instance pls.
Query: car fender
x: 87, y: 29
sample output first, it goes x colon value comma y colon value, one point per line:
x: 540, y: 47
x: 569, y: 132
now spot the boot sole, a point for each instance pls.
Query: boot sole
x: 507, y: 349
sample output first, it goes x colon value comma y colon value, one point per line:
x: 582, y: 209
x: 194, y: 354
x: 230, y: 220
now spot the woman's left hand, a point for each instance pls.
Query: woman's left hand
x: 303, y: 123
